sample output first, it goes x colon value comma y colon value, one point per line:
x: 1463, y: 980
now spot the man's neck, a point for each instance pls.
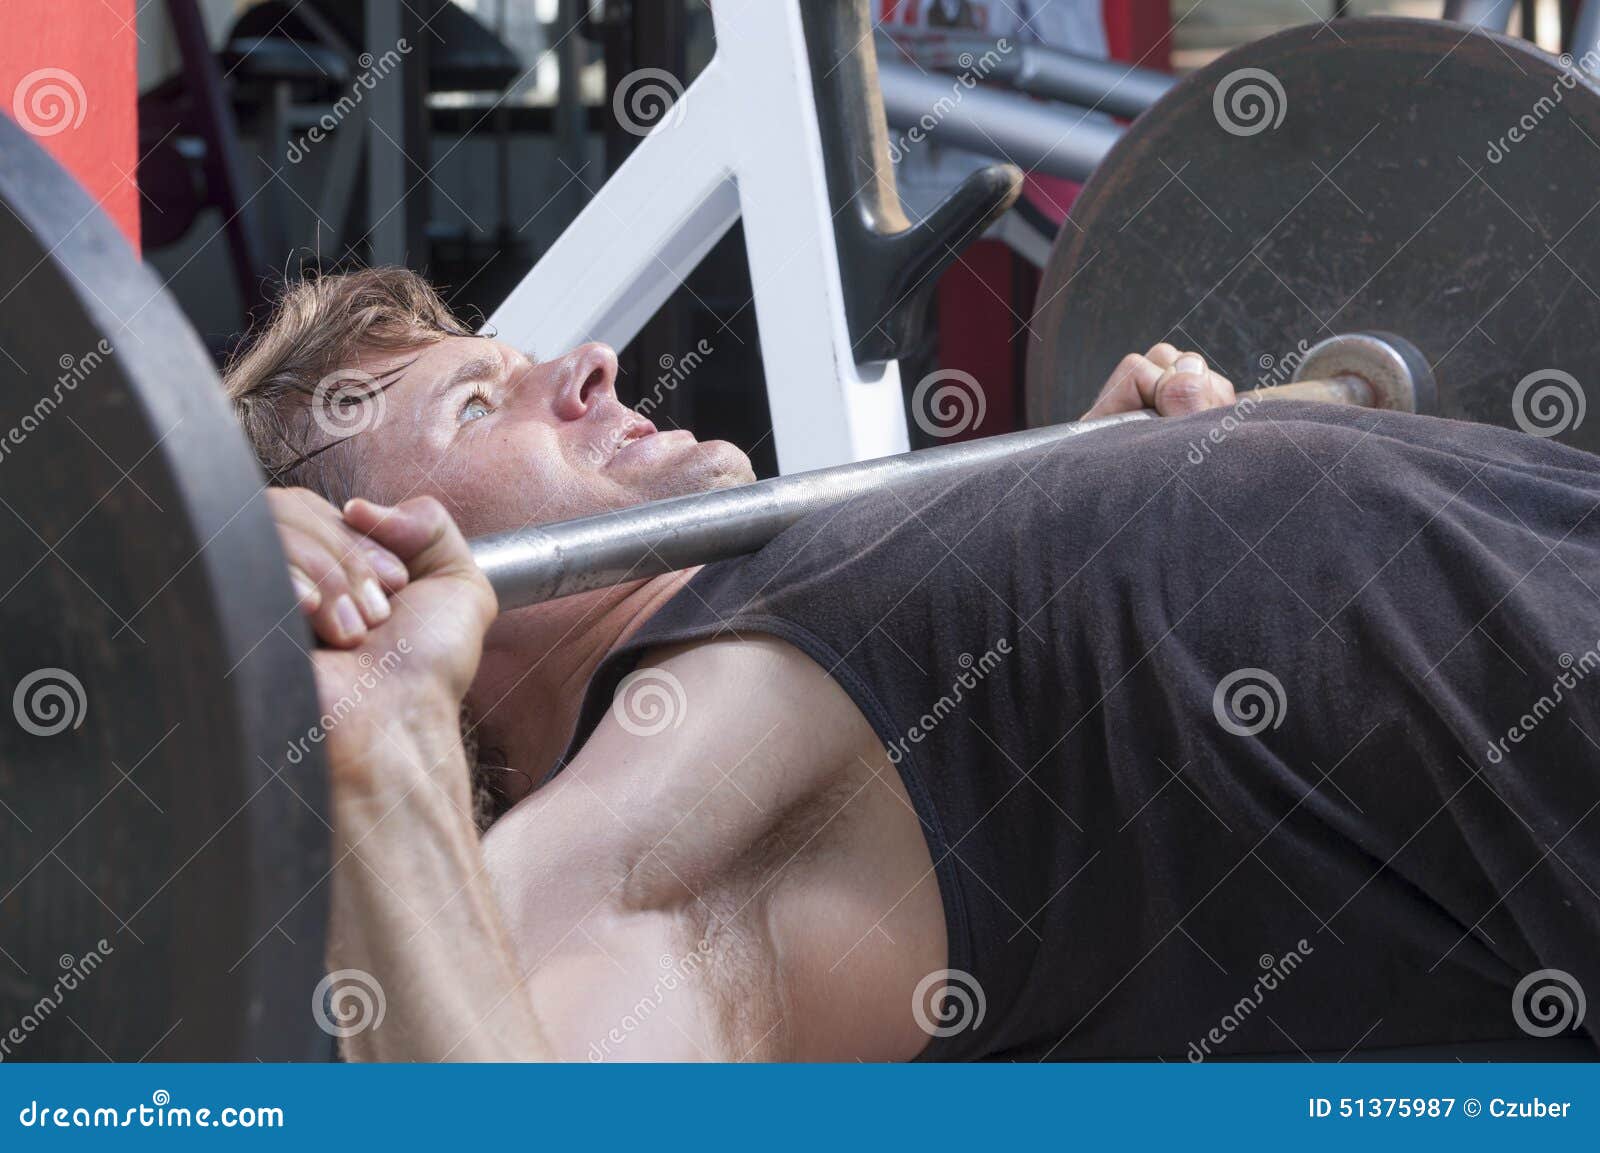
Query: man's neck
x: 537, y: 664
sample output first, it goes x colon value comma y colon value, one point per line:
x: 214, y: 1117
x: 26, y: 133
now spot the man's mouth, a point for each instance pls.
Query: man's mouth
x: 646, y: 445
x: 635, y: 430
x: 618, y: 438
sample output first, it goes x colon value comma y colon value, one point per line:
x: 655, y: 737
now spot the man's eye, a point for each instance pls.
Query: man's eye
x: 477, y: 406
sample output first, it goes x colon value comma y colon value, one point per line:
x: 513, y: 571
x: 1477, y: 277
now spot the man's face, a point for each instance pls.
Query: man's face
x: 505, y: 442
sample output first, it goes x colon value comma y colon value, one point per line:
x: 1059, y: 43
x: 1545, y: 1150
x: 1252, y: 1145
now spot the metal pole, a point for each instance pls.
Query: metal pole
x: 1089, y: 82
x: 536, y: 564
x: 222, y: 165
x: 1104, y: 85
x: 572, y: 118
x: 1491, y: 15
x: 1037, y: 137
x: 530, y: 565
x: 386, y: 161
x: 1586, y: 34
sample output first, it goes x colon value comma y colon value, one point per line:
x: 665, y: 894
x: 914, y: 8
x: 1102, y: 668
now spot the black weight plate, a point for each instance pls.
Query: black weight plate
x: 1369, y: 181
x: 162, y: 867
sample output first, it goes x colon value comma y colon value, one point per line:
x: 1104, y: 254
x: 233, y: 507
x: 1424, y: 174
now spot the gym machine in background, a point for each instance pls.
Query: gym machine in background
x: 834, y: 310
x: 1047, y: 111
x: 835, y: 264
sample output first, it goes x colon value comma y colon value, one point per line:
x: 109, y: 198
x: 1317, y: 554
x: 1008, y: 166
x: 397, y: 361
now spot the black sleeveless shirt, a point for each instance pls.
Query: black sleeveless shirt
x: 1267, y: 732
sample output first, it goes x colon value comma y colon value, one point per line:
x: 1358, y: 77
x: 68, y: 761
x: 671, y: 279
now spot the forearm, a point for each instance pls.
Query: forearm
x: 412, y: 906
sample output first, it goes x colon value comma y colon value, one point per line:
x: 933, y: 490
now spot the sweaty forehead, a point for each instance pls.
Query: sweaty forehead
x: 435, y: 368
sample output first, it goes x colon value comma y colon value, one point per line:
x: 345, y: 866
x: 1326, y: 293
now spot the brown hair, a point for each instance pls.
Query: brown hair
x: 320, y: 325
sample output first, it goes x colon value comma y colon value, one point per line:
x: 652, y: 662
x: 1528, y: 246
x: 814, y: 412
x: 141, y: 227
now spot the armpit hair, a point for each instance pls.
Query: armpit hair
x: 731, y: 916
x: 495, y: 786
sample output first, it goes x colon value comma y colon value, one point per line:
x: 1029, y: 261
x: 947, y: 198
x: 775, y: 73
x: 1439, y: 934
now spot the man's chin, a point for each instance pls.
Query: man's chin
x: 714, y: 464
x: 685, y: 469
x: 732, y: 467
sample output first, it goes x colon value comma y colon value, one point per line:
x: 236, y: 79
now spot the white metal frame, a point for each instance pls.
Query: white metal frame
x: 742, y: 141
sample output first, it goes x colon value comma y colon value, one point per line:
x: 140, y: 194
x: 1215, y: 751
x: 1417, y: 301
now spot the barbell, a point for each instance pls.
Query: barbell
x: 165, y: 815
x: 543, y: 562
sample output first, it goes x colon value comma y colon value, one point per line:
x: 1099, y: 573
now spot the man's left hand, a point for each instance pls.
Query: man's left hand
x: 1171, y: 382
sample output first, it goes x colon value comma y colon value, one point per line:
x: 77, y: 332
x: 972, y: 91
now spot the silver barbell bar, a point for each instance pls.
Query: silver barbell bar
x: 540, y: 563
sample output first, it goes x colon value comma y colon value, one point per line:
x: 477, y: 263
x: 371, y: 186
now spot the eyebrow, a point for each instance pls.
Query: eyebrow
x: 483, y: 366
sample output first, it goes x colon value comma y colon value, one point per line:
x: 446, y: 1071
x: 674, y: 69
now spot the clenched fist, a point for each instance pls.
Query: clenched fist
x: 1171, y: 382
x: 400, y: 609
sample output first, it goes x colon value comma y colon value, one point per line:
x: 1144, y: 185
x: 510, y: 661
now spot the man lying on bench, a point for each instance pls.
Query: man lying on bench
x: 1112, y: 750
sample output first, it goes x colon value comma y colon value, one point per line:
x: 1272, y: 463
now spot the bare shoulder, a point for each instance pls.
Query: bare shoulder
x: 733, y: 811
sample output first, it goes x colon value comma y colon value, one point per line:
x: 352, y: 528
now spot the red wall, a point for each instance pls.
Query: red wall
x: 984, y: 296
x: 1139, y: 31
x: 69, y: 75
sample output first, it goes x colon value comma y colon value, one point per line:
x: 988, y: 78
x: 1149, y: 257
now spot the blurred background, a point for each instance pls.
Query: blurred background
x: 461, y: 136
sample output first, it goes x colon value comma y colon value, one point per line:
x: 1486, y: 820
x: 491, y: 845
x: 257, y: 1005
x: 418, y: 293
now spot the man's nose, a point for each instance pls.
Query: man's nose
x: 591, y: 379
